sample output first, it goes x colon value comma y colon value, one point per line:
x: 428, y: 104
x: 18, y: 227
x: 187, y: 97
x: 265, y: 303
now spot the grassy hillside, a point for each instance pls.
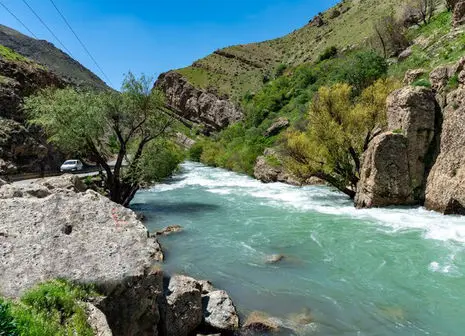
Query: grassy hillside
x: 240, y: 69
x: 46, y: 54
x: 290, y: 94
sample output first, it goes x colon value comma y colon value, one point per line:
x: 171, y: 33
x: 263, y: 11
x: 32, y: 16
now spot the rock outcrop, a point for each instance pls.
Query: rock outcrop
x: 276, y: 127
x: 198, y: 106
x: 412, y: 110
x: 268, y: 169
x: 395, y: 164
x: 445, y: 189
x: 384, y: 177
x: 23, y: 148
x: 56, y: 229
x: 458, y: 17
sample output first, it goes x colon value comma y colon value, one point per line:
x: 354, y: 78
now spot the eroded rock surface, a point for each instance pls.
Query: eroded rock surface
x: 445, y: 189
x: 268, y: 169
x: 53, y: 232
x: 412, y: 110
x: 458, y: 17
x: 384, y: 177
x: 198, y: 106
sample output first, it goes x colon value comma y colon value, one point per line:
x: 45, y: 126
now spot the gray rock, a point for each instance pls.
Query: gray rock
x: 197, y: 105
x: 405, y: 54
x: 260, y: 322
x: 97, y: 320
x: 278, y: 126
x: 169, y: 230
x: 439, y: 77
x: 182, y: 312
x: 87, y: 238
x: 385, y: 176
x: 445, y: 188
x: 458, y: 17
x: 219, y: 311
x: 412, y: 75
x: 66, y: 181
x: 413, y: 111
x: 207, y: 286
x: 274, y: 258
x: 268, y: 173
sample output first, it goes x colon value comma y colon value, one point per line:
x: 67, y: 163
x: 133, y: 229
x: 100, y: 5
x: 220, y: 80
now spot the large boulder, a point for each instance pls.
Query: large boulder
x: 82, y: 237
x: 385, y: 175
x: 182, y: 313
x: 445, y: 189
x: 97, y: 320
x: 412, y: 110
x: 458, y: 17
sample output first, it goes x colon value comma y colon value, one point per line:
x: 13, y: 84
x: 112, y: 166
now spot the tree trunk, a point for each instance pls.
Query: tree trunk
x: 331, y: 180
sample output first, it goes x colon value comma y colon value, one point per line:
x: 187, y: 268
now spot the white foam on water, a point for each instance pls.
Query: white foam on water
x: 319, y: 199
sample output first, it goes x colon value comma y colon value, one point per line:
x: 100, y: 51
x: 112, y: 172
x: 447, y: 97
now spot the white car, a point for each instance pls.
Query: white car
x: 71, y: 165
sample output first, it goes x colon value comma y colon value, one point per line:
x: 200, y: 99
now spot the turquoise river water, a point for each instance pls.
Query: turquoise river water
x: 397, y: 271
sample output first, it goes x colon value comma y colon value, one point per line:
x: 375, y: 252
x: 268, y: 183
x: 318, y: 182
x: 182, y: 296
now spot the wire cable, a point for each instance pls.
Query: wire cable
x: 46, y: 26
x: 80, y: 41
x: 18, y: 19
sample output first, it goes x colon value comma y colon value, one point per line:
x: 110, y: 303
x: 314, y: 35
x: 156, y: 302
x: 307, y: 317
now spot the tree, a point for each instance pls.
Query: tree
x: 130, y: 125
x: 418, y: 11
x: 338, y: 133
x: 391, y: 35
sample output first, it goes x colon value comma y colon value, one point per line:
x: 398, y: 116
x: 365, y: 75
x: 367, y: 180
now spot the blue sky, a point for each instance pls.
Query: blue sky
x: 154, y: 36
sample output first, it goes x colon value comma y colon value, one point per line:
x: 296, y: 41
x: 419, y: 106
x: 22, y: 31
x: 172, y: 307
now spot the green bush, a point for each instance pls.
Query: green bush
x: 422, y: 82
x: 328, y: 53
x: 53, y: 308
x: 195, y: 152
x: 7, y: 324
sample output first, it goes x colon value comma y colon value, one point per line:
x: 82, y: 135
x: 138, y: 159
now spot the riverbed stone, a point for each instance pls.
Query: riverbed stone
x: 182, y: 312
x: 260, y: 322
x: 219, y: 311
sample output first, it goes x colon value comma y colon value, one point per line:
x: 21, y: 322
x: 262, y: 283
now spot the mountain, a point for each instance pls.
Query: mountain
x: 235, y: 71
x: 46, y: 54
x: 28, y: 65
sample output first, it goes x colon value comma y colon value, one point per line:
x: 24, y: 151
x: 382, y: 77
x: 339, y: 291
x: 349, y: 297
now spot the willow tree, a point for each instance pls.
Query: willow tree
x: 128, y: 126
x: 340, y: 129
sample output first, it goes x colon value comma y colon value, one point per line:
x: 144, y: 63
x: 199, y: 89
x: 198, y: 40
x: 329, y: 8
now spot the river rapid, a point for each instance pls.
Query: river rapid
x: 395, y: 271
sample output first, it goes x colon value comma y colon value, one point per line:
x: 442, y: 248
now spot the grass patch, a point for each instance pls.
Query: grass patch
x: 11, y: 55
x: 53, y: 308
x: 422, y: 82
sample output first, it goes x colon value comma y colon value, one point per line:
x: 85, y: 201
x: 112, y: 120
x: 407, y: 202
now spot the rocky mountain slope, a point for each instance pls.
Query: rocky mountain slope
x: 46, y: 54
x: 27, y: 65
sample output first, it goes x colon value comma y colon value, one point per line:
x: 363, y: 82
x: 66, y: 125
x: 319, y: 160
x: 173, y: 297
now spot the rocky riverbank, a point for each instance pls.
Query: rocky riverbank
x: 58, y: 229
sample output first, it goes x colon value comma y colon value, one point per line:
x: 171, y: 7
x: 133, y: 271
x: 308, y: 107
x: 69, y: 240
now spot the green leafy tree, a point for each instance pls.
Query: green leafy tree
x: 338, y: 133
x: 105, y: 125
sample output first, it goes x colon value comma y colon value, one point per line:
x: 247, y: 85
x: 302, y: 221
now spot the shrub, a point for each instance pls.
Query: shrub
x: 7, y: 324
x: 195, y: 152
x: 422, y: 82
x: 280, y: 69
x: 328, y: 53
x: 53, y: 308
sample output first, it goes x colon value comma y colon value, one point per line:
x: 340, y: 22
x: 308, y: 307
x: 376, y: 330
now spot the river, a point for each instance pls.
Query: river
x: 396, y: 271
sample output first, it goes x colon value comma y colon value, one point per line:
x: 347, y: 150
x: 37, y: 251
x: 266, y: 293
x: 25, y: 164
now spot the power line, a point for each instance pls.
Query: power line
x: 17, y: 19
x: 45, y: 25
x: 82, y: 44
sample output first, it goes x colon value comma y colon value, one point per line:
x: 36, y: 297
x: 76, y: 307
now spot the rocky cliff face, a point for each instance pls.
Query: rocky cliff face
x: 22, y: 147
x: 199, y: 106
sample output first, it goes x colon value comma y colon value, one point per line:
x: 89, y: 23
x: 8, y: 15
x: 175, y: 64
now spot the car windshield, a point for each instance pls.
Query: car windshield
x: 70, y: 162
